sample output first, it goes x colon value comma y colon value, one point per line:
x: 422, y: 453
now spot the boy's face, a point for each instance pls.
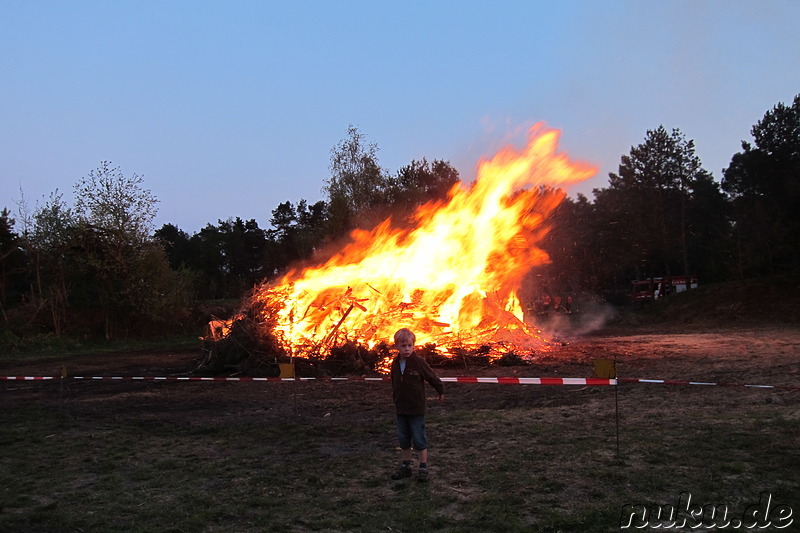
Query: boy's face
x: 405, y: 347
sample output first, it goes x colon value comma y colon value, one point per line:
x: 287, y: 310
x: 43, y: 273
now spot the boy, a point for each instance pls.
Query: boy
x: 409, y: 373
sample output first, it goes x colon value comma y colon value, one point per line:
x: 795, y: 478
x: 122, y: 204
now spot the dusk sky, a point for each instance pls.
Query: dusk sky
x: 229, y: 108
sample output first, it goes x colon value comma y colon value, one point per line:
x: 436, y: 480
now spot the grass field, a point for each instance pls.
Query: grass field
x: 295, y: 457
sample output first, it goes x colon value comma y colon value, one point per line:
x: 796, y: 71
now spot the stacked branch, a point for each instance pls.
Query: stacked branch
x: 253, y: 345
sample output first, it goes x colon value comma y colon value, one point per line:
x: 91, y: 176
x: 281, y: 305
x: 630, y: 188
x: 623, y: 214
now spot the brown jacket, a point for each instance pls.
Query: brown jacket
x: 408, y: 388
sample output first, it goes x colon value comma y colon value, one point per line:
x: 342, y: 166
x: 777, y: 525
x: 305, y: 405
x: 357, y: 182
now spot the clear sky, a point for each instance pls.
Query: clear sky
x: 229, y: 108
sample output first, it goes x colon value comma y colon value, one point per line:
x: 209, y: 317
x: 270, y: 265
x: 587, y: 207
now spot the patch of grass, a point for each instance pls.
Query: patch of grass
x: 48, y: 345
x: 181, y: 457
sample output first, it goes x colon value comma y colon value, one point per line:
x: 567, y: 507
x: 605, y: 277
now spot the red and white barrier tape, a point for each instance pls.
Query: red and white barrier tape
x: 460, y: 379
x: 27, y: 378
x: 533, y: 381
x: 705, y: 383
x: 498, y: 380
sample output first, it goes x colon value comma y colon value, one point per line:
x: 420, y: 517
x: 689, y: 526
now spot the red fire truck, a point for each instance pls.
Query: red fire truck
x: 649, y: 290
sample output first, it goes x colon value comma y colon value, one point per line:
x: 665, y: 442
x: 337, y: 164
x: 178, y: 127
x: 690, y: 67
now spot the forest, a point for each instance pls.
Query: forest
x: 99, y: 269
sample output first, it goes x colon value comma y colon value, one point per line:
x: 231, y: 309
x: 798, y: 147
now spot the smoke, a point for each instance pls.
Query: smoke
x: 588, y: 317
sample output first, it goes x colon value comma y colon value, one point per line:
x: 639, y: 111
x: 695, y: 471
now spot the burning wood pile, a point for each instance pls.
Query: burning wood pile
x: 453, y: 277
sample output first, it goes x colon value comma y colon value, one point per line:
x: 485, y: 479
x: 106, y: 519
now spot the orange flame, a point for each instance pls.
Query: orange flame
x: 452, y: 279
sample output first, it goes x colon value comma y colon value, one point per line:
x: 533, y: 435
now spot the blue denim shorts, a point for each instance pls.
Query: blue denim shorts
x: 411, y: 430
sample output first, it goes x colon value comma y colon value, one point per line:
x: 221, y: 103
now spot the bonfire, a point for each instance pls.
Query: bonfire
x: 452, y: 276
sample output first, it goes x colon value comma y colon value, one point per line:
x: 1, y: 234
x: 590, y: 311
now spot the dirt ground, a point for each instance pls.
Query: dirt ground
x: 760, y: 356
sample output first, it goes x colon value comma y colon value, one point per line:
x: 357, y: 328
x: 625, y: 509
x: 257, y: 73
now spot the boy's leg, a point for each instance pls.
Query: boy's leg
x: 404, y: 436
x: 420, y: 442
x: 422, y: 475
x: 423, y: 456
x: 404, y: 470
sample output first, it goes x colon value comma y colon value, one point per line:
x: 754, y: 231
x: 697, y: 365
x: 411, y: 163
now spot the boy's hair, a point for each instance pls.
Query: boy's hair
x: 405, y: 334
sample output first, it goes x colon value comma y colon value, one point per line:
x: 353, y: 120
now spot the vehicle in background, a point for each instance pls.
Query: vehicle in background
x: 650, y: 290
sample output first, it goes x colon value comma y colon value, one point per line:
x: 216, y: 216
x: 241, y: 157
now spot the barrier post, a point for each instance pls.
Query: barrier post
x: 61, y: 387
x: 616, y: 405
x: 607, y: 368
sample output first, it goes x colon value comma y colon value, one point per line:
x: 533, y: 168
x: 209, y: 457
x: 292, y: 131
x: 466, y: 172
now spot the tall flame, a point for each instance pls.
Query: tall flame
x: 452, y: 278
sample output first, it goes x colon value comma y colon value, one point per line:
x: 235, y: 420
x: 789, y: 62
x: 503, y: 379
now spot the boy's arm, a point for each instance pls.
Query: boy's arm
x: 431, y: 377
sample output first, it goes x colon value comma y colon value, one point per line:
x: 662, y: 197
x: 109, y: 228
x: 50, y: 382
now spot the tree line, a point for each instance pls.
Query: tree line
x: 99, y: 268
x: 662, y: 213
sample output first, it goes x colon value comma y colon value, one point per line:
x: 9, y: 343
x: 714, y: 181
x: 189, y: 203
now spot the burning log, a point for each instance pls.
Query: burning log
x: 332, y: 335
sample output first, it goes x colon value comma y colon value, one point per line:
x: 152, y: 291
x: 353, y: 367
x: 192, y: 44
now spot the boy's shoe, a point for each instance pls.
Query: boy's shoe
x: 422, y: 475
x: 403, y: 471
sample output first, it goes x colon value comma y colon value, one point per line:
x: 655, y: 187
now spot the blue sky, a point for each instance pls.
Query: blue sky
x: 229, y: 108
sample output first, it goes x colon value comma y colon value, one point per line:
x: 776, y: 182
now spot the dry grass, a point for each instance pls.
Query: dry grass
x: 317, y: 456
